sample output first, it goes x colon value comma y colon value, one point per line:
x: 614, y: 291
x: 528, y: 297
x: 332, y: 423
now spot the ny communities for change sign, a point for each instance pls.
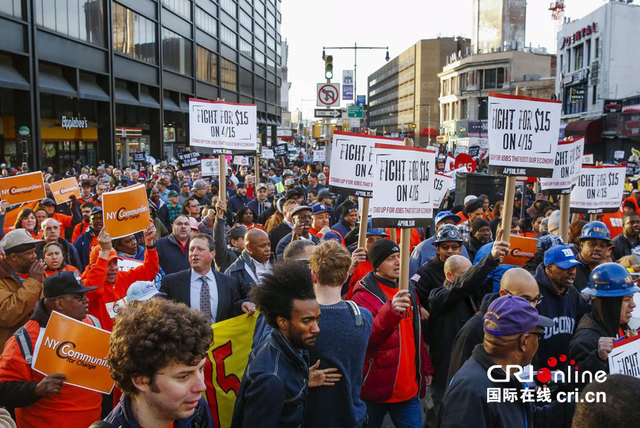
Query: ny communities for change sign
x: 403, y: 182
x: 523, y: 135
x: 224, y: 127
x: 352, y: 162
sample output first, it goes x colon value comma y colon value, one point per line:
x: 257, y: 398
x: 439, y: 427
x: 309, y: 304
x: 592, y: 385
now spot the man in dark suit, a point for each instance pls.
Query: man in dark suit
x: 212, y: 293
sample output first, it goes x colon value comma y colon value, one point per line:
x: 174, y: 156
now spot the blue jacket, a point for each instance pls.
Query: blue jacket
x: 496, y: 275
x: 341, y: 227
x: 172, y: 259
x: 83, y: 245
x: 122, y: 417
x: 274, y: 386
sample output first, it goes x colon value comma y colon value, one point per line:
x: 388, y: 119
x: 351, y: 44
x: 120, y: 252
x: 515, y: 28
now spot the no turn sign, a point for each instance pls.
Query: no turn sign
x: 328, y: 95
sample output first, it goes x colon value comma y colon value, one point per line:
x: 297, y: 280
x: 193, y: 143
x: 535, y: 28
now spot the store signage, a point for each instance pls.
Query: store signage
x: 612, y: 106
x: 74, y: 122
x: 579, y: 35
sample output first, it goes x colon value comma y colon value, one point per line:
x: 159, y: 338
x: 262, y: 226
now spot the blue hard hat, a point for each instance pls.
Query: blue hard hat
x: 595, y: 230
x: 610, y: 280
x: 379, y: 231
x: 448, y: 233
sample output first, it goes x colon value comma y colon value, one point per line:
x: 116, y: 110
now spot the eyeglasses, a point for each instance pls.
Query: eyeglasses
x: 78, y: 297
x: 536, y: 300
x: 448, y: 247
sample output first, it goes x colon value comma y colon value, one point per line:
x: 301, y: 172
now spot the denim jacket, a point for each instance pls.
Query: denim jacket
x: 274, y: 387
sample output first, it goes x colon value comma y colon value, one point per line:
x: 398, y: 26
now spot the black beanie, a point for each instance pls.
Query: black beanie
x: 380, y: 250
x: 473, y: 205
x: 477, y: 224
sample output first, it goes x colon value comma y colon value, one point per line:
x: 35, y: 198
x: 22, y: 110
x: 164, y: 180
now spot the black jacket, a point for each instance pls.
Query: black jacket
x: 277, y: 233
x: 172, y: 259
x: 239, y: 273
x: 582, y: 274
x: 274, y: 386
x: 565, y: 310
x: 178, y: 287
x: 225, y: 254
x: 583, y: 347
x: 622, y: 246
x: 472, y: 246
x: 431, y: 277
x: 450, y: 307
x: 470, y: 335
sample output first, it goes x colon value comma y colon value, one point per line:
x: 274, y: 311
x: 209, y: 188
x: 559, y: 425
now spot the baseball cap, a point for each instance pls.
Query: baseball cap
x: 371, y: 231
x: 193, y: 223
x: 320, y: 208
x: 513, y: 315
x: 17, y: 241
x: 324, y: 193
x: 199, y: 184
x: 468, y: 198
x: 444, y: 215
x: 561, y: 256
x: 554, y: 221
x: 48, y: 202
x: 142, y: 290
x: 65, y: 282
x: 301, y: 208
x: 261, y: 186
x: 173, y: 193
x: 96, y: 210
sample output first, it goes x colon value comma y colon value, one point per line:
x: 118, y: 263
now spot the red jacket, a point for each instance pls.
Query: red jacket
x: 102, y: 300
x: 383, y: 351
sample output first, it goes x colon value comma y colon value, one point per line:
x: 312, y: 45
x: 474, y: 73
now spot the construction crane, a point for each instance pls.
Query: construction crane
x: 557, y: 10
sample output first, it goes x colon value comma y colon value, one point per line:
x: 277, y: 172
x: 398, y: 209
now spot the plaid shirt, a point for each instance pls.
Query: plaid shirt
x: 173, y: 212
x: 465, y: 230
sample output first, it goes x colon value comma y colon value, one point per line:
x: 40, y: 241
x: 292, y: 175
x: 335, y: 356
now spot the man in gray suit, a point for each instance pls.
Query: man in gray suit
x: 199, y: 287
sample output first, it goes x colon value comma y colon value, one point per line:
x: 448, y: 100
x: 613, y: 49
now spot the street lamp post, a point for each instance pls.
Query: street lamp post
x: 428, y: 120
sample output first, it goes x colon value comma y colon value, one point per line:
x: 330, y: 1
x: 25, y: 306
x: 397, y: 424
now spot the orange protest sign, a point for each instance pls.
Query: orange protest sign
x: 22, y: 188
x: 125, y: 211
x: 521, y: 249
x: 76, y: 349
x: 63, y: 189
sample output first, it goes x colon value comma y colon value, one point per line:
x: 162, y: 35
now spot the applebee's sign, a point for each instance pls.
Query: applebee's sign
x: 74, y: 122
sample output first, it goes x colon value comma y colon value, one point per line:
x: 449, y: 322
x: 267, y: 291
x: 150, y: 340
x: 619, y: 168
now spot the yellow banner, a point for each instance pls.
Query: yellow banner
x: 226, y: 360
x: 76, y: 349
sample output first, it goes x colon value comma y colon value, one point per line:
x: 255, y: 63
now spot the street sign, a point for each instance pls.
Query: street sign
x: 355, y: 111
x: 332, y: 113
x: 361, y: 100
x: 328, y: 95
x: 347, y: 85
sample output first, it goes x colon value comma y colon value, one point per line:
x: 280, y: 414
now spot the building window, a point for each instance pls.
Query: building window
x: 569, y: 60
x: 483, y: 108
x: 463, y: 109
x: 80, y: 19
x: 228, y: 37
x: 489, y: 79
x: 12, y: 8
x: 228, y: 75
x: 245, y: 20
x: 259, y: 57
x: 596, y: 53
x: 206, y: 22
x: 180, y: 7
x: 207, y: 66
x: 578, y: 52
x: 176, y: 52
x: 245, y: 48
x: 258, y: 32
x: 500, y: 77
x: 246, y: 82
x: 229, y: 6
x: 133, y: 34
x: 594, y: 94
x: 574, y: 99
x: 587, y: 45
x: 261, y: 86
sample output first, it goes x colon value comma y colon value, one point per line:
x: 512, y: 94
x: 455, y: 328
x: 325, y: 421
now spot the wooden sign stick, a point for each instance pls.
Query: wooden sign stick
x: 222, y: 173
x: 565, y: 203
x: 364, y: 216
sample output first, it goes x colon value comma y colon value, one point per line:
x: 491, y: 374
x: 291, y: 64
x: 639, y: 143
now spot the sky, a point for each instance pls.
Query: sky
x: 308, y: 25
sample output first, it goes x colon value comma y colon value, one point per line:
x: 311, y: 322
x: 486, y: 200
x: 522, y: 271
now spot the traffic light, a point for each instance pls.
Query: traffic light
x: 328, y: 67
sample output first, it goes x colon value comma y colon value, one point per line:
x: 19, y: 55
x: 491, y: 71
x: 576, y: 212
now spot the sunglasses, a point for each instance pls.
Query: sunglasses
x: 453, y: 247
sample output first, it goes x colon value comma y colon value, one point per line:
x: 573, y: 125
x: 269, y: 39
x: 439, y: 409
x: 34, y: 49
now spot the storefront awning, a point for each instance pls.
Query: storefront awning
x: 146, y: 100
x: 631, y: 109
x: 184, y: 105
x: 91, y: 91
x: 11, y: 78
x: 591, y: 130
x: 55, y: 84
x: 123, y: 96
x: 169, y: 104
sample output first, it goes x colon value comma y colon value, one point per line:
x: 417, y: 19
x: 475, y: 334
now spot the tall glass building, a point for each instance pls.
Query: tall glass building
x: 102, y: 79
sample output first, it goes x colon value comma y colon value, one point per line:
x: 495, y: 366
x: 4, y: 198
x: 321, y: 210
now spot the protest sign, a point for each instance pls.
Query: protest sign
x: 225, y: 127
x: 523, y: 135
x: 125, y: 211
x: 210, y: 167
x: 63, y: 189
x: 403, y: 179
x: 227, y: 359
x: 189, y: 159
x: 77, y: 350
x: 281, y: 150
x: 318, y: 155
x: 352, y: 162
x: 22, y: 188
x: 567, y: 167
x: 241, y: 160
x: 267, y: 154
x: 441, y: 184
x: 521, y: 249
x: 625, y: 357
x: 599, y: 189
x: 587, y: 159
x: 139, y: 156
x: 467, y: 161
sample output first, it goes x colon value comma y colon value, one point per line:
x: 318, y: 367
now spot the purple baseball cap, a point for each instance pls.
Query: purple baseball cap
x: 513, y: 315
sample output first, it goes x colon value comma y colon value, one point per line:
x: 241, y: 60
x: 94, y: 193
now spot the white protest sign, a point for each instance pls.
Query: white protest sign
x: 318, y: 155
x: 587, y: 159
x: 210, y: 167
x: 267, y: 154
x: 453, y: 174
x: 568, y: 164
x: 598, y: 189
x: 352, y: 162
x: 523, y: 135
x: 441, y: 184
x: 241, y: 160
x: 625, y: 358
x: 223, y: 126
x: 403, y: 179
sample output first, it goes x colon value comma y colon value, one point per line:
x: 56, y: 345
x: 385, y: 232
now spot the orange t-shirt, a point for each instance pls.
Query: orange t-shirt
x: 406, y: 385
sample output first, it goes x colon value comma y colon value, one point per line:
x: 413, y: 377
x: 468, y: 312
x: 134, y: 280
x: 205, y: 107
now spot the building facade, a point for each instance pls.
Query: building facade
x: 597, y: 76
x: 465, y: 83
x: 498, y: 24
x: 403, y: 94
x: 102, y: 79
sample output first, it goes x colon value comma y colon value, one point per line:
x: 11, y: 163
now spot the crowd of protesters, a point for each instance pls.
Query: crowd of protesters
x: 337, y: 342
